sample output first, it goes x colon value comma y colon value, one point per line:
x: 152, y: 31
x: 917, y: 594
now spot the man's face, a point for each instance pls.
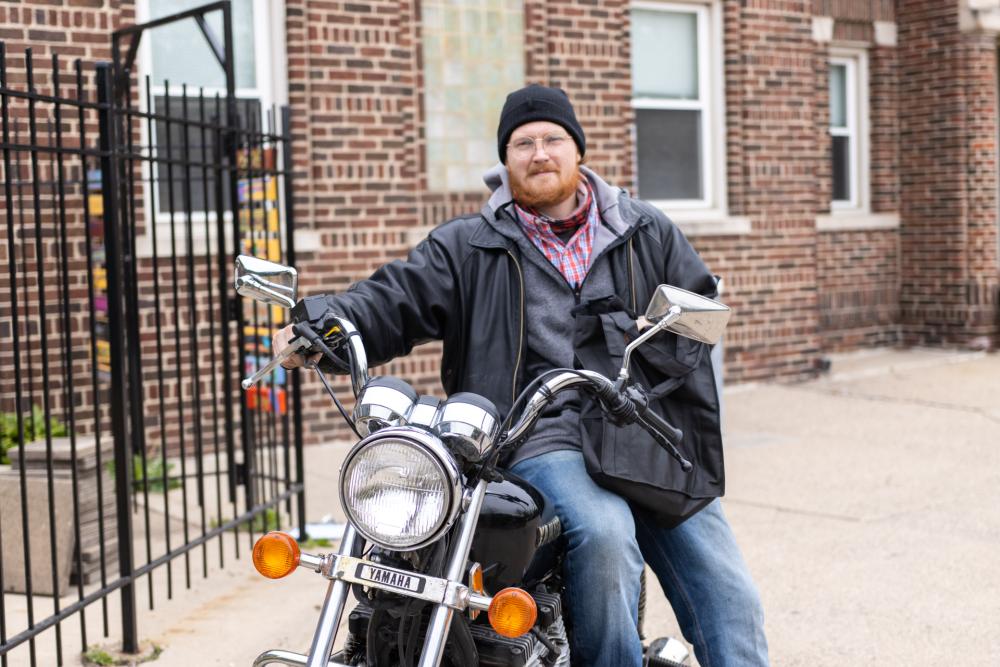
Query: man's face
x: 547, y: 176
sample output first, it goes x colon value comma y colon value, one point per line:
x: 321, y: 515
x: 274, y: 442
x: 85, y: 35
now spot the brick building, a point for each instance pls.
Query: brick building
x: 834, y: 160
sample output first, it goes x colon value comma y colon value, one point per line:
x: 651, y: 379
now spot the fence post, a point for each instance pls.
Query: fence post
x: 116, y: 326
x: 300, y: 466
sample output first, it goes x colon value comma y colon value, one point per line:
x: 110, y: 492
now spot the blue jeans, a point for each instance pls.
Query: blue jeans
x: 698, y: 565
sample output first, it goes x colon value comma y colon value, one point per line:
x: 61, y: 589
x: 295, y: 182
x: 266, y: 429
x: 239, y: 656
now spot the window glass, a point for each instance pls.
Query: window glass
x: 841, y: 169
x: 201, y: 150
x: 181, y: 54
x: 664, y: 54
x: 844, y: 159
x: 672, y: 111
x: 838, y: 96
x: 669, y: 154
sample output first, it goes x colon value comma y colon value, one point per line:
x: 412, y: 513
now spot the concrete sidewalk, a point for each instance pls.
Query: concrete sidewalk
x: 866, y: 503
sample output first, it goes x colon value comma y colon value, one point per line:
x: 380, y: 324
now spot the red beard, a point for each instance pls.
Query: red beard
x: 540, y: 193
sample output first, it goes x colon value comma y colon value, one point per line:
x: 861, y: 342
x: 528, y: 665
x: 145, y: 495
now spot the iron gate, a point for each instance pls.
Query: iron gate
x: 122, y: 214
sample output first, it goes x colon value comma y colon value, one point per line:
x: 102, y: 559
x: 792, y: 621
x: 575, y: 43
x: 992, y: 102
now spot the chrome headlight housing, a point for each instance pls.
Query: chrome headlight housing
x: 384, y: 402
x: 401, y: 488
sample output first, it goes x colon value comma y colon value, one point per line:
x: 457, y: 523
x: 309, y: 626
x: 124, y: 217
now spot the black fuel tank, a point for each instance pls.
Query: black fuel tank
x: 505, y: 541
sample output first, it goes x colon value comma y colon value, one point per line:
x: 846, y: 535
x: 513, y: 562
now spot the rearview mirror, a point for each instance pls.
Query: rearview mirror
x: 700, y: 318
x: 684, y: 313
x: 266, y: 281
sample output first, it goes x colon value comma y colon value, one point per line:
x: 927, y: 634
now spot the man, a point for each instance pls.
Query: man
x: 500, y: 290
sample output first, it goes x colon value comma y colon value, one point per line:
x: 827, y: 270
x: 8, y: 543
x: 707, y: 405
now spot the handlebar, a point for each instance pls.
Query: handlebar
x: 343, y: 331
x: 626, y: 406
x: 544, y: 395
x: 308, y: 340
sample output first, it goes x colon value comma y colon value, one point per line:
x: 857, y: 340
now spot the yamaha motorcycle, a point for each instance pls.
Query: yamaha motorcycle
x: 446, y: 553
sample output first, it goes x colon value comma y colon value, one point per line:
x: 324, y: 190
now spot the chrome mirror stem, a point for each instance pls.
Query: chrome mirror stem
x: 672, y: 316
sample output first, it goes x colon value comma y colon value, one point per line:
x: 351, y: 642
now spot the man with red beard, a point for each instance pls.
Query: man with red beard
x: 504, y: 291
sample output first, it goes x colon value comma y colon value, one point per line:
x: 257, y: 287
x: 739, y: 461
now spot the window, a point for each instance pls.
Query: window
x: 473, y: 55
x: 848, y: 131
x: 677, y: 104
x: 179, y: 54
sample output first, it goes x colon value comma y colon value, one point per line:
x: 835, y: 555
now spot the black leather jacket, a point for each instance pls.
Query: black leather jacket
x: 464, y: 285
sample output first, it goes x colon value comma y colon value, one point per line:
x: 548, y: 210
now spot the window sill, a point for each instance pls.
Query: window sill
x: 708, y: 222
x: 843, y: 221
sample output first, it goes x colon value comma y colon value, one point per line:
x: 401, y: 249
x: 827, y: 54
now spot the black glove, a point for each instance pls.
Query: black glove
x: 314, y: 312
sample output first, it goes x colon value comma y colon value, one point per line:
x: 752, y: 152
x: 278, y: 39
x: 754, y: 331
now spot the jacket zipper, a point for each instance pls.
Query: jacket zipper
x: 520, y: 341
x: 631, y: 275
x: 578, y: 289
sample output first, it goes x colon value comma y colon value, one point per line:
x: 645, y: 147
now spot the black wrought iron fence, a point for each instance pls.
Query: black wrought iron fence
x: 131, y: 448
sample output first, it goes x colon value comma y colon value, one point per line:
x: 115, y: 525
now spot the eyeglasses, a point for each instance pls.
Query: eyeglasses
x: 525, y: 146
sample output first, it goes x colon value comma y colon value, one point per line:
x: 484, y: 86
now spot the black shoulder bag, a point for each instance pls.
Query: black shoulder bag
x: 626, y: 459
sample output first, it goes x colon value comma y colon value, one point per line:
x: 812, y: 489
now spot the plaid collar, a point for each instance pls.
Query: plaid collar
x: 572, y: 258
x: 584, y: 193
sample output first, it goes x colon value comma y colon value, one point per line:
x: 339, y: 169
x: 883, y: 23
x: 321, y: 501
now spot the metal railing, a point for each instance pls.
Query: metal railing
x: 123, y: 344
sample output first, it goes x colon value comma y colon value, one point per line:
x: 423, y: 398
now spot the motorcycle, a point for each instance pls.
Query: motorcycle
x: 442, y: 546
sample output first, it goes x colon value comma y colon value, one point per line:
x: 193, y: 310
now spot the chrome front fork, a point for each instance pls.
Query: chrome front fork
x: 437, y: 631
x: 333, y: 609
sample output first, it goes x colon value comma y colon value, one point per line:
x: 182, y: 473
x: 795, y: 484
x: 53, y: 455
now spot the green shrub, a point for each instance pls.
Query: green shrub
x: 265, y: 521
x: 154, y: 470
x: 34, y: 429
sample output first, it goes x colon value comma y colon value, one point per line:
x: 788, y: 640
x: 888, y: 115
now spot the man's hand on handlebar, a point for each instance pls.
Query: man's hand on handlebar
x: 280, y: 340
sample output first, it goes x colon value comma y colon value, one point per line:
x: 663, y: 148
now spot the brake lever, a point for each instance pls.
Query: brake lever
x: 293, y: 346
x: 666, y: 435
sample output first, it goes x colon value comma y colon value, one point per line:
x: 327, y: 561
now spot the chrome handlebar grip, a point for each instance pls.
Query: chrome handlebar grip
x: 359, y: 360
x: 538, y: 401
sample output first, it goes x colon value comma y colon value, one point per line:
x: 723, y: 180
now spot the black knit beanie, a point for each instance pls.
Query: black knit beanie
x: 536, y: 102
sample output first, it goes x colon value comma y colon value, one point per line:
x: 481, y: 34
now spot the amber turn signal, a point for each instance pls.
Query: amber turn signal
x: 476, y: 586
x: 512, y: 612
x: 276, y: 554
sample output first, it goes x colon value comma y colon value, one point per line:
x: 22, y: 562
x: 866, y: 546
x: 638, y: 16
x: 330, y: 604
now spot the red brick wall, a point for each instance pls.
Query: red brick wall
x: 983, y: 232
x: 883, y: 95
x: 72, y: 29
x: 858, y: 271
x: 353, y: 75
x: 858, y: 288
x: 773, y: 158
x: 948, y: 177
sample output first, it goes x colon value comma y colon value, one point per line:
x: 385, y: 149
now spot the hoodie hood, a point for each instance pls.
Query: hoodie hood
x: 609, y: 197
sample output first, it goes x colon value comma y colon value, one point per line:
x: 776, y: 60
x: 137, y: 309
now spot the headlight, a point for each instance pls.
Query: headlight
x: 400, y: 488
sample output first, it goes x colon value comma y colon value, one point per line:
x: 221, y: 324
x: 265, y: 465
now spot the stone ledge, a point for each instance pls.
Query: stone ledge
x: 842, y: 222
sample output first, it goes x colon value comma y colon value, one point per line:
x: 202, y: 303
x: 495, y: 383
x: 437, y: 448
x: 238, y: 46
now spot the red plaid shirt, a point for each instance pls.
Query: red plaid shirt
x: 571, y: 259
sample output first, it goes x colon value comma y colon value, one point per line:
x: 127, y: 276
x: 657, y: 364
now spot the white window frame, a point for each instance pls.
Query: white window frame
x: 710, y: 214
x: 270, y: 63
x: 855, y: 63
x: 856, y: 214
